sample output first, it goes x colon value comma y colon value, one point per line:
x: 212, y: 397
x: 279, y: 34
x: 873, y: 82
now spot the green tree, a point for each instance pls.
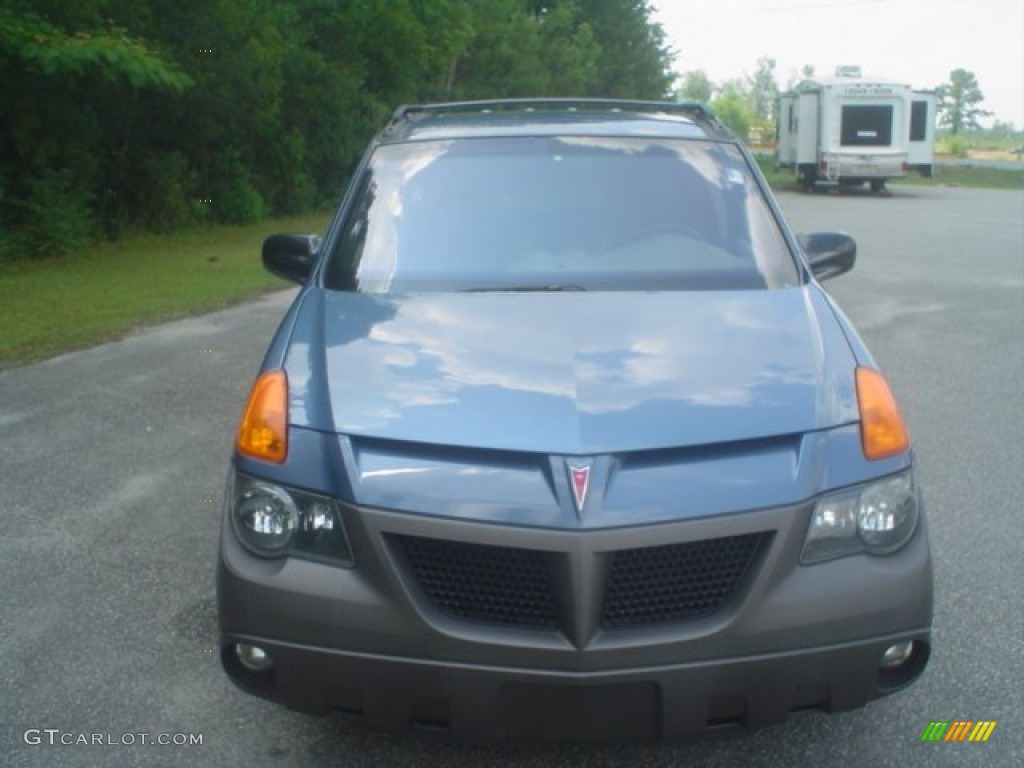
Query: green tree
x: 569, y: 51
x: 518, y: 50
x: 696, y: 86
x: 33, y: 44
x: 794, y: 79
x: 635, y: 61
x: 63, y: 78
x: 959, y: 100
x: 763, y: 90
x: 227, y: 129
x: 732, y: 107
x: 1002, y: 131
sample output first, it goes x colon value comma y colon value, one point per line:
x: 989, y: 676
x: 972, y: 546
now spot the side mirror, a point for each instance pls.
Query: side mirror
x: 829, y: 254
x: 290, y: 256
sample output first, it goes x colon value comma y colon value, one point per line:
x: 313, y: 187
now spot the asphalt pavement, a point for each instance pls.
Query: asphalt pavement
x: 112, y: 463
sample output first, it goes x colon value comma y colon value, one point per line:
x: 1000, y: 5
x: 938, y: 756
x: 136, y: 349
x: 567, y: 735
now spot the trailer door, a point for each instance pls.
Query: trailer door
x: 922, y: 132
x: 807, y: 127
x: 785, y: 151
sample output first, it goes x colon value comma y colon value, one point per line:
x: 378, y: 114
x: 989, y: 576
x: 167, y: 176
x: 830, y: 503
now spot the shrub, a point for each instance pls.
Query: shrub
x: 234, y: 199
x: 955, y: 145
x: 164, y: 192
x: 54, y: 216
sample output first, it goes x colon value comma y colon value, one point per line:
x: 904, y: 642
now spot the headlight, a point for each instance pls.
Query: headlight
x: 878, y: 518
x: 273, y: 520
x: 267, y: 518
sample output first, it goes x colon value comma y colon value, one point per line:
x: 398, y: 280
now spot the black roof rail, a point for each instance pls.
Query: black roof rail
x: 691, y: 109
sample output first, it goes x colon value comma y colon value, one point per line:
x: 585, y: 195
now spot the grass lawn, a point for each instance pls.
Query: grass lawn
x: 969, y: 176
x: 59, y: 304
x: 778, y: 178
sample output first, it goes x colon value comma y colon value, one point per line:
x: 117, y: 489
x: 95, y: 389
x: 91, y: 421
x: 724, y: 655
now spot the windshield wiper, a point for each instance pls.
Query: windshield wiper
x: 525, y: 288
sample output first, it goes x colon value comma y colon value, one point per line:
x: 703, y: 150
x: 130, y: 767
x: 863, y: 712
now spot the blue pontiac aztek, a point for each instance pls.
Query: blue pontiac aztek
x: 562, y: 438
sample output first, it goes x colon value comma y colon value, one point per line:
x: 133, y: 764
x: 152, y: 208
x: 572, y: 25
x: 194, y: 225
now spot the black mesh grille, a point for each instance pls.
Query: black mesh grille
x: 676, y: 582
x: 500, y: 585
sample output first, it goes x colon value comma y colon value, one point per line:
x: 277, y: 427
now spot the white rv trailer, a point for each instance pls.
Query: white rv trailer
x: 851, y: 129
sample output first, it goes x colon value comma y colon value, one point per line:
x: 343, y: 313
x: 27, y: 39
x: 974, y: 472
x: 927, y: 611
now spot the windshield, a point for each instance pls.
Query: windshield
x: 559, y: 213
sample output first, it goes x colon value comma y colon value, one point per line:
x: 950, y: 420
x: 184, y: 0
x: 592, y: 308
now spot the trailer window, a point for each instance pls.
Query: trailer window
x: 867, y: 126
x: 919, y: 121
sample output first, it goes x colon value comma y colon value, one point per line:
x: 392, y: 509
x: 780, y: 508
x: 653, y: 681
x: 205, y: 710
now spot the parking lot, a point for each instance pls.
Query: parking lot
x: 112, y: 461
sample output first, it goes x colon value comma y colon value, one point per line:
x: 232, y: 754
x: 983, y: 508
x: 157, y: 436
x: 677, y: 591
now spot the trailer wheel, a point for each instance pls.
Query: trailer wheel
x: 878, y: 186
x: 808, y: 179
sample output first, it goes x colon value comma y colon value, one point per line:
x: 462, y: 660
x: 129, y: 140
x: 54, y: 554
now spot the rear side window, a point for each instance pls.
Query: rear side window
x: 866, y: 125
x: 577, y: 213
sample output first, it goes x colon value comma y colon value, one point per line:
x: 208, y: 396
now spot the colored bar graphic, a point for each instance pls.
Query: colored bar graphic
x: 958, y: 730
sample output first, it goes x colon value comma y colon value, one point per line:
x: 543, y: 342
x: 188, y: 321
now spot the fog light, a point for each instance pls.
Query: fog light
x: 255, y: 659
x: 897, y: 654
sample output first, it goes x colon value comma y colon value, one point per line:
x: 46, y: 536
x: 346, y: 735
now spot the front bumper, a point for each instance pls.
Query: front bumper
x: 366, y: 642
x: 484, y: 703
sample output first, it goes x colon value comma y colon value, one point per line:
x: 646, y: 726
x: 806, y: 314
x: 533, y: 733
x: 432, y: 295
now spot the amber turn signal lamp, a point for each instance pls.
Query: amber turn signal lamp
x: 263, y: 433
x: 882, y: 431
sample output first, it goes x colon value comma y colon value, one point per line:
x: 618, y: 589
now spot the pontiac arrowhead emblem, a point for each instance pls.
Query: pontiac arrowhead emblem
x: 579, y: 478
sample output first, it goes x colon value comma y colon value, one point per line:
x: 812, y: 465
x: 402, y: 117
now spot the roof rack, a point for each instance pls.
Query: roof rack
x: 690, y: 109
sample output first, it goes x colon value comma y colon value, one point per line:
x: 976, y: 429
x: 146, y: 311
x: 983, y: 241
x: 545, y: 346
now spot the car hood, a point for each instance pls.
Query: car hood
x: 570, y: 373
